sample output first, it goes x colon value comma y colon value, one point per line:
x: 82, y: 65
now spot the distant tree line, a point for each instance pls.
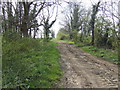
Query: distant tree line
x: 96, y: 26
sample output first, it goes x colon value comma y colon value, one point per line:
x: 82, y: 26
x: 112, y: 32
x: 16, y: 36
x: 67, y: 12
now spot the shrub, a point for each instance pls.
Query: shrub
x: 62, y: 36
x: 11, y: 35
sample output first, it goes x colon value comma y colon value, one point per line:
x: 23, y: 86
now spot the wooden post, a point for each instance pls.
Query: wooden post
x: 119, y: 45
x: 119, y: 32
x: 0, y: 46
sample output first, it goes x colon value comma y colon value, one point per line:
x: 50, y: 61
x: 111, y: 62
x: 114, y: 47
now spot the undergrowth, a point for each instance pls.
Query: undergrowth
x: 107, y: 54
x: 29, y: 63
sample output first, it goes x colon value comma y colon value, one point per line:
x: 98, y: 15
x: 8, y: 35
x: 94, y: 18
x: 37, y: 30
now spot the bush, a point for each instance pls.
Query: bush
x: 62, y: 36
x: 75, y: 36
x: 11, y: 35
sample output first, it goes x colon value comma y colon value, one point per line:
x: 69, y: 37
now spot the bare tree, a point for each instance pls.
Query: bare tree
x: 47, y: 23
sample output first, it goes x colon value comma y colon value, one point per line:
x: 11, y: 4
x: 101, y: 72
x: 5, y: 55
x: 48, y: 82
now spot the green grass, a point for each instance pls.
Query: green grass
x: 106, y: 54
x: 66, y: 41
x: 30, y: 63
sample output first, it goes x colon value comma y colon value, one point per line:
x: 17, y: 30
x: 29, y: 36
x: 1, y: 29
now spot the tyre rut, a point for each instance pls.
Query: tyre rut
x: 82, y: 70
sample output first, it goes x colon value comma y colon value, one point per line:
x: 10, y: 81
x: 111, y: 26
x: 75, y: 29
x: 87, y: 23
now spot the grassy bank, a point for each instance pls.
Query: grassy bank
x: 30, y: 63
x: 106, y: 54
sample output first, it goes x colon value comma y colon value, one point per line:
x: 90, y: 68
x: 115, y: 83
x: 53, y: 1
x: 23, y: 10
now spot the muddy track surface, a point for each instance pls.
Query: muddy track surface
x: 83, y: 70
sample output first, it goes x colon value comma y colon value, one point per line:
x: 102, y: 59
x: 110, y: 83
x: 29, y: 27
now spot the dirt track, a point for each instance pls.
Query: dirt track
x: 83, y: 70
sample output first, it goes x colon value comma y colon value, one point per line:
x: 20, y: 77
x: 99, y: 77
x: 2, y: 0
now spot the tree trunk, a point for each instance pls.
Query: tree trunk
x: 9, y: 8
x: 119, y: 45
x: 4, y: 19
x: 30, y: 33
x: 93, y: 36
x: 92, y: 22
x: 119, y: 35
x: 24, y: 30
x: 24, y: 25
x: 35, y: 30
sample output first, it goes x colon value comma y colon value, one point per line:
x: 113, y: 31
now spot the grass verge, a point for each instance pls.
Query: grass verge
x: 106, y: 54
x: 66, y: 41
x: 30, y: 63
